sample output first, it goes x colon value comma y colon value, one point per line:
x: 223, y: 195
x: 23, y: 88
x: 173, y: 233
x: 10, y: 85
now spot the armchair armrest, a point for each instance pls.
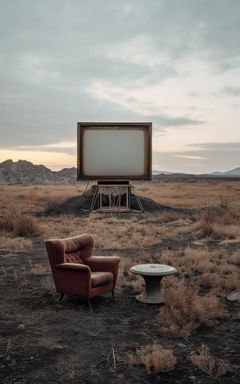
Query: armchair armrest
x: 73, y: 279
x: 104, y: 264
x: 76, y: 266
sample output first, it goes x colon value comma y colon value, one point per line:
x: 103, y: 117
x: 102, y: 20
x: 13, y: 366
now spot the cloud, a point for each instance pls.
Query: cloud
x: 69, y: 148
x: 204, y: 158
x: 161, y: 60
x: 216, y: 146
x: 232, y: 91
x: 139, y: 51
x: 145, y: 100
x: 191, y: 157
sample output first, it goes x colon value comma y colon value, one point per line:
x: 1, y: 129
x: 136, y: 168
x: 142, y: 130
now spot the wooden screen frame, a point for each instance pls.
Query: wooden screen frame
x: 145, y: 127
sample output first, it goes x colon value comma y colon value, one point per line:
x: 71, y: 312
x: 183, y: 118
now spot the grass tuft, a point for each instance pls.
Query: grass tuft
x: 209, y: 364
x: 186, y: 310
x: 154, y: 358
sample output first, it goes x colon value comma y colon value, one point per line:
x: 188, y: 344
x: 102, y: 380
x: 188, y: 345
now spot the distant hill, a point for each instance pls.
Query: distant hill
x: 232, y: 172
x: 24, y: 172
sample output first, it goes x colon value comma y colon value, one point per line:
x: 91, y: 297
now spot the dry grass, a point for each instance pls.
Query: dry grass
x: 186, y: 195
x: 110, y: 232
x: 36, y: 198
x: 186, y: 310
x: 210, y: 280
x: 192, y: 195
x: 19, y: 224
x: 154, y: 358
x: 209, y: 364
x: 125, y: 277
x: 14, y: 245
x: 235, y: 258
x: 167, y: 217
x: 191, y: 261
x: 212, y: 270
x: 232, y: 282
x: 39, y: 269
x: 217, y: 221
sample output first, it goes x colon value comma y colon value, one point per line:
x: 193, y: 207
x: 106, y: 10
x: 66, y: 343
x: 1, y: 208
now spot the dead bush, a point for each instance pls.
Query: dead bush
x: 210, y: 280
x: 186, y: 310
x: 190, y: 261
x: 6, y: 223
x: 218, y: 221
x: 226, y: 268
x: 137, y: 285
x: 226, y: 232
x: 19, y: 224
x: 208, y: 363
x: 154, y: 357
x: 226, y: 218
x: 235, y: 258
x: 218, y: 212
x: 26, y: 225
x: 232, y: 282
x: 206, y: 228
x: 125, y: 277
x: 167, y: 217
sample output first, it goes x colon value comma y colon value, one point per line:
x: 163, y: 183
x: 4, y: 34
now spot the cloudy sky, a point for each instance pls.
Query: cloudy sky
x: 173, y: 63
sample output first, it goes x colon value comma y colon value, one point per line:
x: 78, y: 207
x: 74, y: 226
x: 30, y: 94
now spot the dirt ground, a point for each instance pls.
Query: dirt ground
x: 43, y: 340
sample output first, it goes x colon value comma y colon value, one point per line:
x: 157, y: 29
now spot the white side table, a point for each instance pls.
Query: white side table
x: 152, y: 274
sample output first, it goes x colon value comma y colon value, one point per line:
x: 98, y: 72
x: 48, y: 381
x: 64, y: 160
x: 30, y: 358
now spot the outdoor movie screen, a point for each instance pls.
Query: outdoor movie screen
x: 114, y: 151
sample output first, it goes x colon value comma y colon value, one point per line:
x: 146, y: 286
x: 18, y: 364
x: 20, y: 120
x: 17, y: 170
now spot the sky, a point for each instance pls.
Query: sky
x: 170, y: 62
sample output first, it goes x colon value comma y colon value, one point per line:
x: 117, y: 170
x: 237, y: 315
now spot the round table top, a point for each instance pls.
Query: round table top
x: 153, y: 270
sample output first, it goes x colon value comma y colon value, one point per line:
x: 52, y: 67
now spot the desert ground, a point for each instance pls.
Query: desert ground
x: 193, y: 338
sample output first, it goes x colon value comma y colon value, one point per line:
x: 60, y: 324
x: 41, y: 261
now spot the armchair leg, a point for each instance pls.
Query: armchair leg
x: 89, y: 304
x: 61, y: 296
x: 113, y: 295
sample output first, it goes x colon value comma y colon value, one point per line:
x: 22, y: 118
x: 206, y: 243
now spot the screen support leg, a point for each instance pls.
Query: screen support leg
x: 94, y: 199
x: 137, y: 199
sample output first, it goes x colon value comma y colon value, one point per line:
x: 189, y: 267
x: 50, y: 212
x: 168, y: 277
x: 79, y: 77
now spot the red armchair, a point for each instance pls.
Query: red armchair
x: 76, y: 272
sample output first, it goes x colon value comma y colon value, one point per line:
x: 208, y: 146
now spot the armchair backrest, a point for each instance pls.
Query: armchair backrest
x: 70, y: 250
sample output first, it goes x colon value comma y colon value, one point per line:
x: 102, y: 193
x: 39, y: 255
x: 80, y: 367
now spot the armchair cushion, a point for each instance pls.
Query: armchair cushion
x: 101, y: 278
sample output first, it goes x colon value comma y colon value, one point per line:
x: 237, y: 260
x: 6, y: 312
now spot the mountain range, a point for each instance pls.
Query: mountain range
x: 25, y: 172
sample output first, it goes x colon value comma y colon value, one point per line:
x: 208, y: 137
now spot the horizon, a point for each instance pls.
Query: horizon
x: 153, y: 170
x: 176, y: 64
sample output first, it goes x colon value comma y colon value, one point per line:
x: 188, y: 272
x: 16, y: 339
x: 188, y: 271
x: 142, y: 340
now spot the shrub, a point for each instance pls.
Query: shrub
x: 210, y: 280
x: 154, y: 357
x: 19, y: 224
x: 125, y: 277
x: 213, y: 217
x: 190, y: 261
x: 186, y: 310
x: 235, y: 258
x: 6, y: 223
x: 25, y: 225
x: 208, y: 364
x: 167, y: 217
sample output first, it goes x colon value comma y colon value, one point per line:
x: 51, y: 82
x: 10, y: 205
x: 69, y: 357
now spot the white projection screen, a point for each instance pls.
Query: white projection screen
x: 114, y: 151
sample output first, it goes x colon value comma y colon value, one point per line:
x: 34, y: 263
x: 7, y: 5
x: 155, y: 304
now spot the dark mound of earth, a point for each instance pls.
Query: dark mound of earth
x: 79, y: 204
